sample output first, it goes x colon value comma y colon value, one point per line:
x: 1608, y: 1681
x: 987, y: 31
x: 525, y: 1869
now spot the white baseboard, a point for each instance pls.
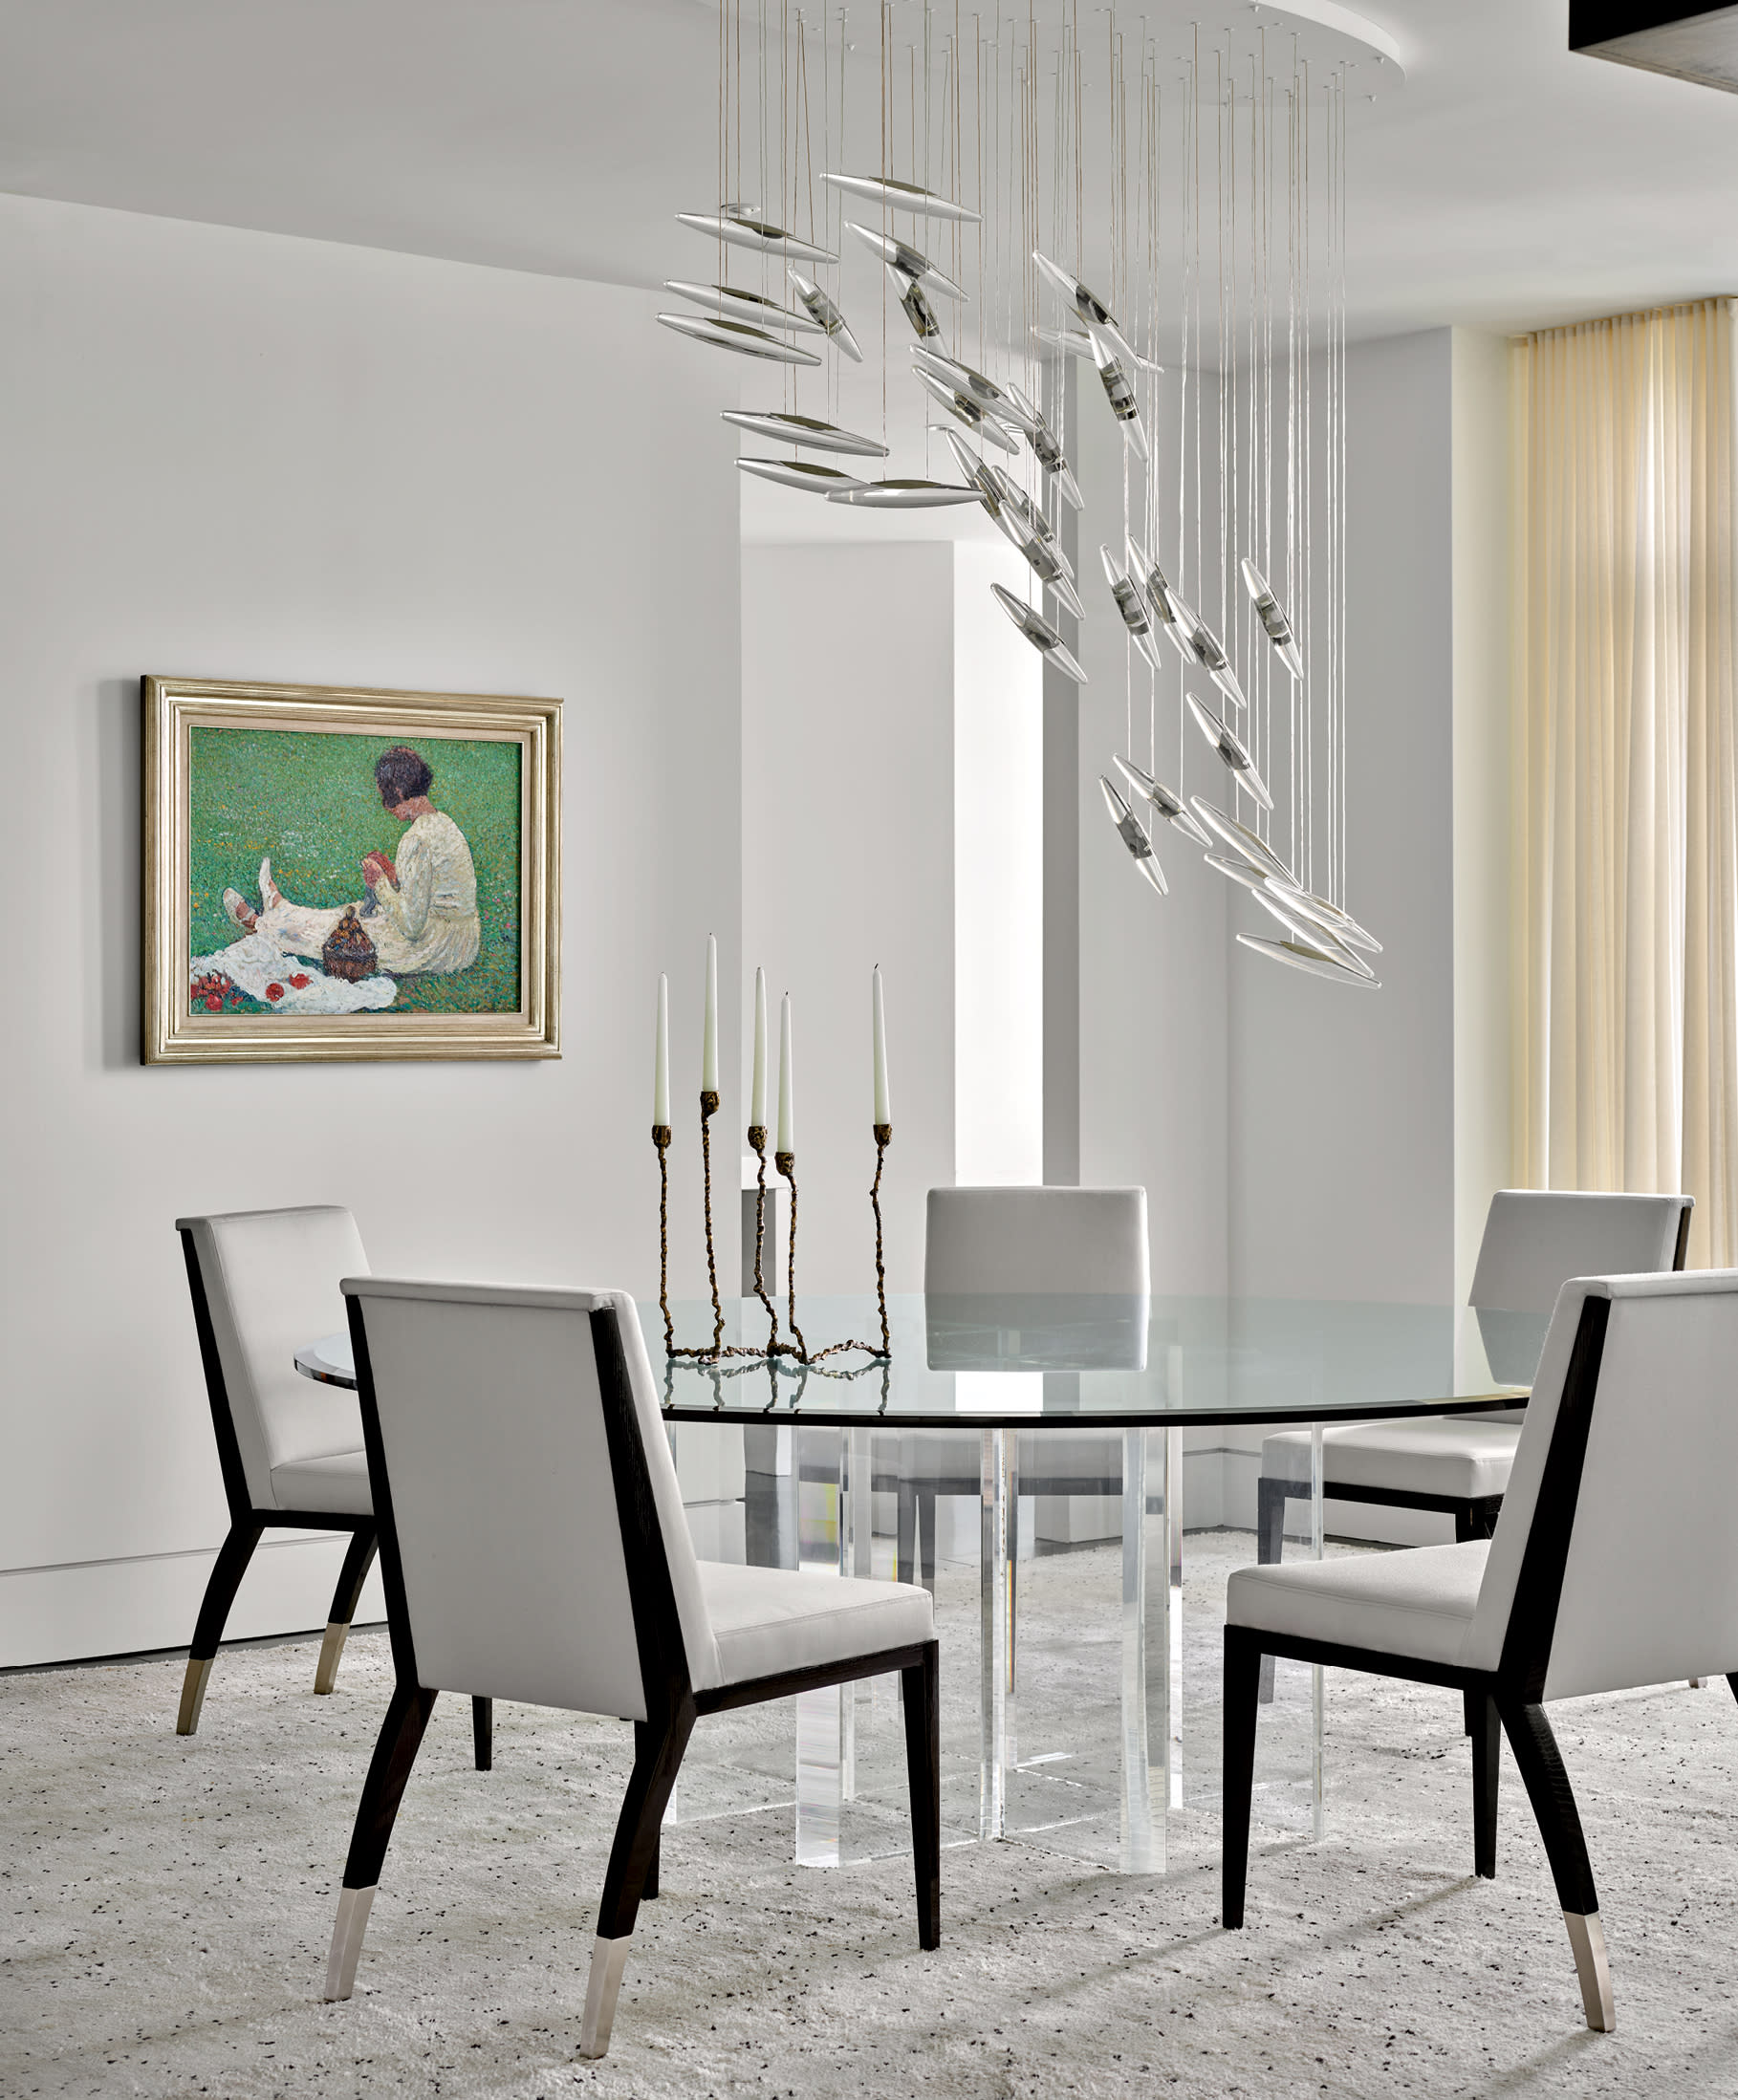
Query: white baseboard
x: 121, y: 1607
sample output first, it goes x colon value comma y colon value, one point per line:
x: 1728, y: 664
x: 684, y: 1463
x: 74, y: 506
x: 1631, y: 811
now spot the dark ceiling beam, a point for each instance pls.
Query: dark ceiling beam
x: 1699, y: 44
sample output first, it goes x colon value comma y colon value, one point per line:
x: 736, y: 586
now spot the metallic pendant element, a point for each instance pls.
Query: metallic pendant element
x: 820, y: 481
x: 1236, y: 871
x: 917, y: 310
x: 1043, y: 557
x: 1015, y: 499
x: 1159, y: 603
x: 1078, y: 342
x: 1133, y: 836
x: 1306, y: 933
x: 1120, y: 396
x: 1087, y: 306
x: 1190, y: 636
x: 907, y: 494
x: 1045, y: 449
x: 749, y: 212
x: 1302, y: 958
x: 975, y: 471
x: 908, y: 261
x: 882, y: 189
x: 961, y: 379
x: 743, y: 306
x: 1226, y: 679
x: 737, y: 335
x: 1038, y: 631
x: 786, y: 428
x: 1273, y: 618
x: 1343, y: 927
x: 967, y: 412
x: 741, y: 232
x: 1241, y: 842
x: 1133, y: 607
x: 825, y: 315
x: 1170, y: 806
x: 1233, y: 750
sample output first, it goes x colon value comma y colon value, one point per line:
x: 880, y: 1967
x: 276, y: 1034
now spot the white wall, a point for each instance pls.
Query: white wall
x: 1484, y: 1156
x: 998, y: 814
x: 239, y: 455
x: 1153, y: 971
x: 847, y: 854
x: 1343, y: 1102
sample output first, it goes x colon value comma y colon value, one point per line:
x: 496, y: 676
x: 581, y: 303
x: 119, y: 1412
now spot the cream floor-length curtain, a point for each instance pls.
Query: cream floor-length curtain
x: 1626, y: 800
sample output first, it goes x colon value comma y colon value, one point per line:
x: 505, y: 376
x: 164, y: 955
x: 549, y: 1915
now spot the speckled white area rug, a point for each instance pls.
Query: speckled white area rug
x: 167, y: 1906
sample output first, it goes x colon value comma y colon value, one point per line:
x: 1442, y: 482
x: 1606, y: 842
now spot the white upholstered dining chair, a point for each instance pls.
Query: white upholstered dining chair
x: 1000, y: 1242
x: 1613, y: 1563
x: 1534, y: 1241
x: 534, y: 1547
x: 264, y: 1283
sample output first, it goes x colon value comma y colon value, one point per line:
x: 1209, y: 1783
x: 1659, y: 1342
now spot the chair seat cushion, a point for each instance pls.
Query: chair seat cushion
x: 1460, y: 1457
x: 767, y: 1620
x: 339, y: 1481
x: 1416, y: 1602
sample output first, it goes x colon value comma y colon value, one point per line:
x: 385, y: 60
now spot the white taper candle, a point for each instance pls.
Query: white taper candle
x: 787, y: 1113
x: 660, y: 1057
x: 883, y: 1113
x: 708, y: 1043
x: 757, y: 1092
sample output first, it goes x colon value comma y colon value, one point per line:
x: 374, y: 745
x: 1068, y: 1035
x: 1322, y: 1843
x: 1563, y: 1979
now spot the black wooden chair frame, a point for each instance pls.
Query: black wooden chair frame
x: 247, y: 1525
x: 673, y: 1705
x: 1474, y: 1516
x: 1508, y: 1700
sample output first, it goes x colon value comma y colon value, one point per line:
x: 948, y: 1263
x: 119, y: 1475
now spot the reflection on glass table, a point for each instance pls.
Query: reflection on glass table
x: 982, y: 1394
x: 1063, y: 1722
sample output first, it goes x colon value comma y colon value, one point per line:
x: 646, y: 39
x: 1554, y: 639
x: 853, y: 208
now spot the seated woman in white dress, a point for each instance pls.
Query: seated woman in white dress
x: 420, y: 911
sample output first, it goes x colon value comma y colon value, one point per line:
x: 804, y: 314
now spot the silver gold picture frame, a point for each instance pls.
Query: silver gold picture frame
x: 339, y: 872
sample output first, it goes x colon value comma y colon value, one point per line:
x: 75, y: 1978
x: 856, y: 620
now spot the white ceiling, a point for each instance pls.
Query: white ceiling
x: 1508, y: 185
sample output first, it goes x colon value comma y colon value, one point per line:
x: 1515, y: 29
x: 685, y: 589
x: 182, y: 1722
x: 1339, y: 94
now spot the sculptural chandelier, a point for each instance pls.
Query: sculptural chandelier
x: 1054, y: 213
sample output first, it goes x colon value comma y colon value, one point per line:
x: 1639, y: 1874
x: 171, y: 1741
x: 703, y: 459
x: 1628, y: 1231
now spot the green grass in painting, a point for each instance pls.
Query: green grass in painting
x: 307, y: 799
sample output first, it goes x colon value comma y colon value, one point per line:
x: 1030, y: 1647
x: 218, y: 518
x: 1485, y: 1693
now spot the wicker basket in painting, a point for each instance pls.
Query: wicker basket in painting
x: 347, y: 953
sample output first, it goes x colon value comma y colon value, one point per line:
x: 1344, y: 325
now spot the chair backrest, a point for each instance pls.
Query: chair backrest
x: 1536, y: 1239
x: 1615, y: 1560
x: 1065, y: 1240
x: 532, y: 1532
x: 269, y: 1280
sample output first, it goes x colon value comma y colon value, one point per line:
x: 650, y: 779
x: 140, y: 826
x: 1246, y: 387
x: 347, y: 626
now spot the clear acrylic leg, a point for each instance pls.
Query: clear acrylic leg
x: 1173, y: 1525
x: 994, y: 1612
x: 1318, y: 1681
x: 1146, y: 1652
x: 823, y: 1718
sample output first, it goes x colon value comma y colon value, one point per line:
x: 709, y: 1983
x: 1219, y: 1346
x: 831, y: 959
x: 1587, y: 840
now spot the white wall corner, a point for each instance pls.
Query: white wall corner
x: 1480, y: 624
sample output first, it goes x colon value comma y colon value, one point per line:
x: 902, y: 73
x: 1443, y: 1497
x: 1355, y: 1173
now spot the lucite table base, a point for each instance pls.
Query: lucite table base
x: 1027, y: 1784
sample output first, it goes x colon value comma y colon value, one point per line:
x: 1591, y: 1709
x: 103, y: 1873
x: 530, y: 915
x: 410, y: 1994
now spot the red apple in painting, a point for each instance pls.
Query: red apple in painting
x: 299, y: 982
x: 275, y: 992
x: 213, y: 1003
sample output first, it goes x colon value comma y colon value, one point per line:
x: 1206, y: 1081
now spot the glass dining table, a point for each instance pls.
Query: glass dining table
x: 1010, y: 1397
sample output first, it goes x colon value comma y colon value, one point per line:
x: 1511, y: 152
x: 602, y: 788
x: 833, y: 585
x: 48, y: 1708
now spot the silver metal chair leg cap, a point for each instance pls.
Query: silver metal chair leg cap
x: 608, y: 1957
x: 332, y: 1649
x: 193, y: 1694
x: 1587, y: 1937
x: 354, y: 1906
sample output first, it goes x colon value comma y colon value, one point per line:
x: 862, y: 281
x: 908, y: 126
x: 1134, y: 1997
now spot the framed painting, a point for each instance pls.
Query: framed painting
x: 339, y: 874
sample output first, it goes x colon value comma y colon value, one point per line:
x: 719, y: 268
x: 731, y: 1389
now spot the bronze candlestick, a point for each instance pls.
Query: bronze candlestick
x: 884, y: 1138
x: 660, y: 1137
x: 757, y: 1138
x: 786, y: 1163
x: 708, y: 1108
